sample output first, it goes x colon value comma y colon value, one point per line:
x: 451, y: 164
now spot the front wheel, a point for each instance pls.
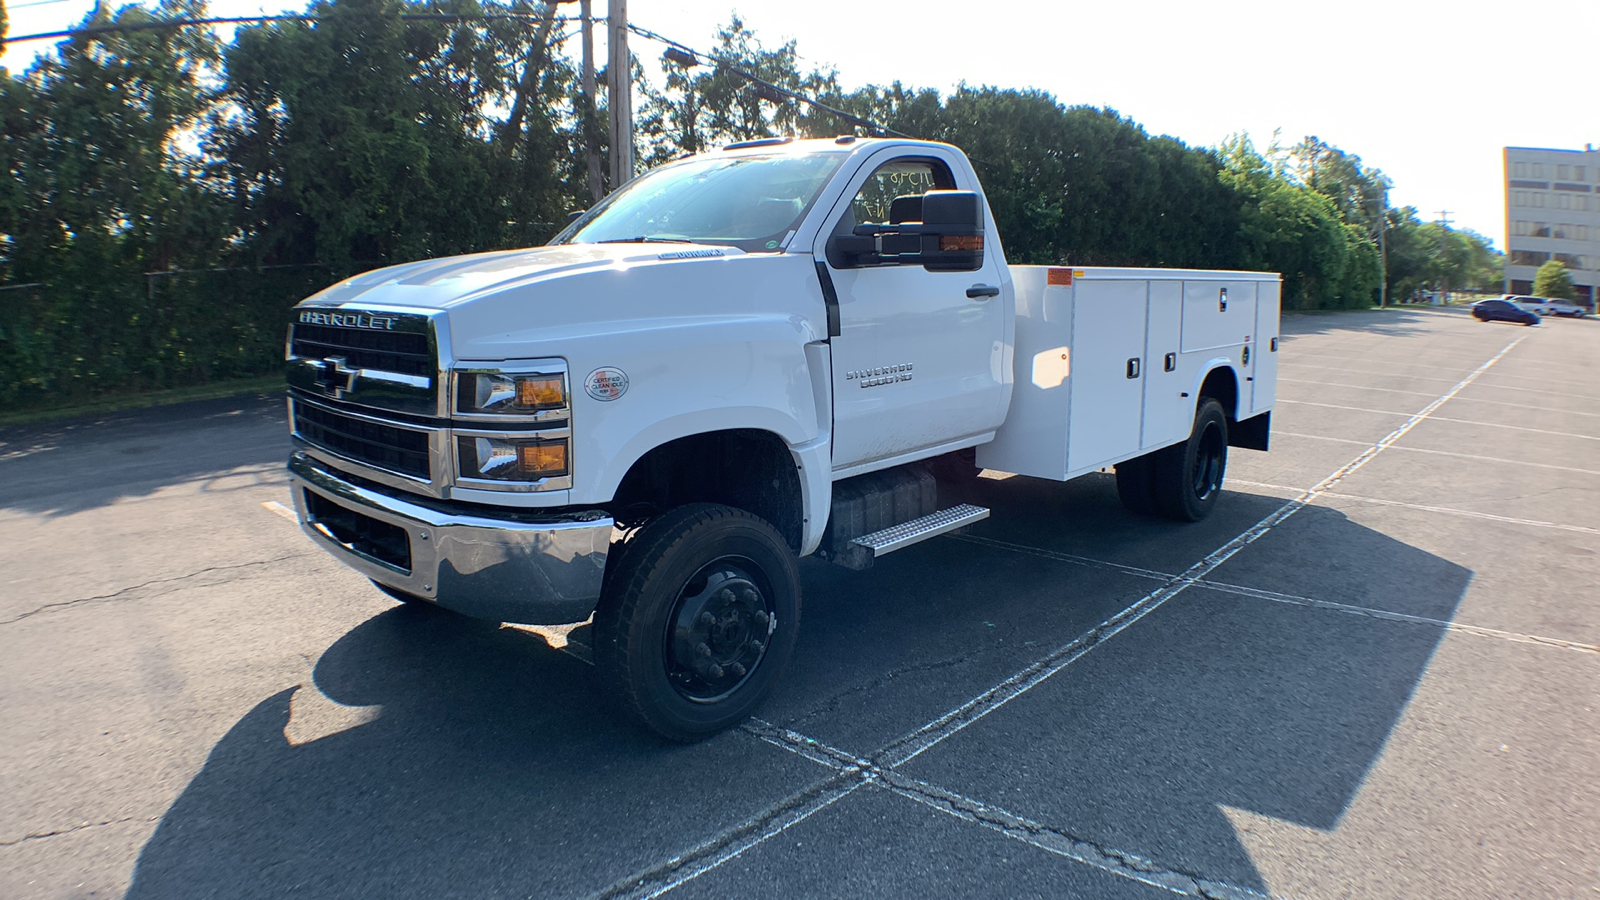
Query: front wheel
x: 1186, y: 478
x: 698, y: 620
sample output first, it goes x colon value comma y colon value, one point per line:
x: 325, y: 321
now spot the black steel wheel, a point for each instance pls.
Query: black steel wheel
x: 1187, y: 477
x: 698, y: 620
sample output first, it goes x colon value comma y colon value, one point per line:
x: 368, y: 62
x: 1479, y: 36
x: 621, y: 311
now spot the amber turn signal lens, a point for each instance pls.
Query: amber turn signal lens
x: 543, y: 459
x: 961, y: 242
x: 540, y: 392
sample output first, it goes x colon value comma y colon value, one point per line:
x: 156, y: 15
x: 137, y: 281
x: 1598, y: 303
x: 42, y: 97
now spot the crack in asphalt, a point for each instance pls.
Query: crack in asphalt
x: 124, y: 593
x: 1064, y: 843
x: 41, y: 835
x: 831, y: 704
x: 775, y: 820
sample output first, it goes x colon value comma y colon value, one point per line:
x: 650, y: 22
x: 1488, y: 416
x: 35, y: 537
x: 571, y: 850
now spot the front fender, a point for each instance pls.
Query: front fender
x: 687, y: 378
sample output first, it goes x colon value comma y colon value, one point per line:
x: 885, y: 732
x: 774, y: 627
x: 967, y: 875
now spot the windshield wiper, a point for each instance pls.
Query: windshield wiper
x: 645, y: 239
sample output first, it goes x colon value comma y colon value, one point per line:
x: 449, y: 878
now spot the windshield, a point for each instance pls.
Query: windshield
x: 749, y: 202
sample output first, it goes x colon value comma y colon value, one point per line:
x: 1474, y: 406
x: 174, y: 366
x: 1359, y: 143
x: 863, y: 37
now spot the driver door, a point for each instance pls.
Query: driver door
x: 920, y: 360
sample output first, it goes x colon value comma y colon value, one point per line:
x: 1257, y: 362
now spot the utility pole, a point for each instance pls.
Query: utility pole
x: 591, y: 147
x: 620, y: 70
x: 1444, y: 243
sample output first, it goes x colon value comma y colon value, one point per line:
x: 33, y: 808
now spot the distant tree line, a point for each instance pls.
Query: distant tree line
x: 171, y: 194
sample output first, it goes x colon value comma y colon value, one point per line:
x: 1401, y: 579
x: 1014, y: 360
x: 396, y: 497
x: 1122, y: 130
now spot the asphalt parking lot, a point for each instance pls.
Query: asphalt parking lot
x: 1373, y: 672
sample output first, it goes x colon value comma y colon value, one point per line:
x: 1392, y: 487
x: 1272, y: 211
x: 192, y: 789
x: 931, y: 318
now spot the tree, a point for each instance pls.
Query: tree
x: 1554, y: 281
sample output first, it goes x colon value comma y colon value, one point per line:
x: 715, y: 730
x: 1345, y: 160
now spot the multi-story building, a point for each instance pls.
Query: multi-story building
x: 1553, y: 212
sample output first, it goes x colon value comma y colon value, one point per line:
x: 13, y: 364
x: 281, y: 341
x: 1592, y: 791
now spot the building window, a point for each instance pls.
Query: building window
x: 1538, y: 170
x: 1570, y: 261
x: 1583, y: 232
x: 1528, y: 258
x: 1580, y: 173
x: 1559, y: 232
x: 1564, y: 173
x: 1519, y: 198
x: 1538, y: 199
x: 1580, y: 203
x: 1519, y: 170
x: 1540, y: 229
x: 1519, y: 228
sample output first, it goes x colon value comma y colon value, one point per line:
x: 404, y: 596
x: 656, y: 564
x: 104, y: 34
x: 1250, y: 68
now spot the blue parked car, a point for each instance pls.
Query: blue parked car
x: 1503, y: 311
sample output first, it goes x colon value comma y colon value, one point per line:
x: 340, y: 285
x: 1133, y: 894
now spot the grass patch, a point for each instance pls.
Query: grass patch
x: 124, y: 402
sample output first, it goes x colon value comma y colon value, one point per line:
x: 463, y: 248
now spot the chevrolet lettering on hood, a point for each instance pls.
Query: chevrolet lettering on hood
x: 348, y: 320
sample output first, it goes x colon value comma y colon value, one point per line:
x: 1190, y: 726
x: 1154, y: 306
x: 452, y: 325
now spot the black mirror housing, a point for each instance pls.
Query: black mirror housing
x: 952, y: 231
x: 949, y: 237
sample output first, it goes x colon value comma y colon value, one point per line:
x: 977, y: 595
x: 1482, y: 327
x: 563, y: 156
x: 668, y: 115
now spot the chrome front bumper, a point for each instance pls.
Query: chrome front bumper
x: 534, y: 570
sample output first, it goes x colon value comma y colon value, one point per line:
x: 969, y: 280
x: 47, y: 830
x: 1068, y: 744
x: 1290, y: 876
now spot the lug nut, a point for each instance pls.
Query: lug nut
x: 757, y: 646
x: 715, y: 671
x: 706, y: 619
x: 761, y: 618
x: 738, y: 670
x: 702, y: 649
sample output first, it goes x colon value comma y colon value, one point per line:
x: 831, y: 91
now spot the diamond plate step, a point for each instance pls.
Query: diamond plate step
x: 864, y: 549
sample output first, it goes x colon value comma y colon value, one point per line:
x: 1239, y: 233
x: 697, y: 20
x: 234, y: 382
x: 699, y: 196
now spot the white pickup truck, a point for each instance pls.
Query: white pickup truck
x: 739, y: 359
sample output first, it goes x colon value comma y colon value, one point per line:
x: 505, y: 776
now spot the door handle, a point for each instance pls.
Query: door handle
x: 982, y: 292
x: 1133, y: 367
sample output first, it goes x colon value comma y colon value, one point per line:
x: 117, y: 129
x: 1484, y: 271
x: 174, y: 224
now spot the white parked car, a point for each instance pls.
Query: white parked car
x: 1546, y: 306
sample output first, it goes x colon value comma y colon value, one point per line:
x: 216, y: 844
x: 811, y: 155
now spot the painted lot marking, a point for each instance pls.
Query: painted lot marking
x: 278, y: 509
x: 1471, y: 456
x: 1278, y: 597
x: 1447, y: 510
x: 880, y: 765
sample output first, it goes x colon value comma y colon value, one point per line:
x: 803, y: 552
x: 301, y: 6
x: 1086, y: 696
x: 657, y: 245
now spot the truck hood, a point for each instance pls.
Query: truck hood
x: 454, y: 280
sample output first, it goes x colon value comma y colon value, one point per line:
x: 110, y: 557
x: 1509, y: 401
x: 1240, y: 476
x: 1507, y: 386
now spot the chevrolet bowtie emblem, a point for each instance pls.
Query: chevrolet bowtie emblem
x: 335, y: 377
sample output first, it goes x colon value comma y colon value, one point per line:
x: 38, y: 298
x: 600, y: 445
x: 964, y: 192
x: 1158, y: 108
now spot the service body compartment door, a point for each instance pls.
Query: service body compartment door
x: 1108, y: 349
x: 1264, y: 358
x: 1218, y: 314
x: 1168, y: 414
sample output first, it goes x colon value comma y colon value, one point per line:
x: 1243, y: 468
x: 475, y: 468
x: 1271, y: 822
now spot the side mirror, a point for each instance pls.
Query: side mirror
x: 949, y: 237
x: 952, y: 231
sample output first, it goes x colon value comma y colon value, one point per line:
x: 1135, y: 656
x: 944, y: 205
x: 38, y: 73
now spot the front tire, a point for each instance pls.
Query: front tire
x: 698, y: 620
x: 1187, y: 477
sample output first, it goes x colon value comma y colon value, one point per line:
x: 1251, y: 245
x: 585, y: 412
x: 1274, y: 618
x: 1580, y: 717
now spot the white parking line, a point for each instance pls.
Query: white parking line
x: 1586, y: 437
x: 278, y: 509
x: 1384, y: 412
x: 1447, y: 510
x: 1355, y: 387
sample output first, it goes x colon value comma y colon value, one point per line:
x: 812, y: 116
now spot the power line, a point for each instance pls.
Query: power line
x: 239, y: 20
x: 765, y: 89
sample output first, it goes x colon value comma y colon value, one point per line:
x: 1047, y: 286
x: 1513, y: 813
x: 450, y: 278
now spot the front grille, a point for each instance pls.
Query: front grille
x: 383, y: 446
x: 384, y: 351
x: 363, y: 534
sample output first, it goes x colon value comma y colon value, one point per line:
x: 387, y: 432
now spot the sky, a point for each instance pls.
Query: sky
x: 1428, y: 91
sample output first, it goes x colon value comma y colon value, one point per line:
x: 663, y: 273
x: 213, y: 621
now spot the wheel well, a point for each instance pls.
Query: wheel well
x: 746, y: 469
x: 1222, y: 386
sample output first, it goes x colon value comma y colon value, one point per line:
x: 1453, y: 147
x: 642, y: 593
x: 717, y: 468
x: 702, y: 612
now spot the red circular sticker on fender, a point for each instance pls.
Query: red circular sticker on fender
x: 606, y: 383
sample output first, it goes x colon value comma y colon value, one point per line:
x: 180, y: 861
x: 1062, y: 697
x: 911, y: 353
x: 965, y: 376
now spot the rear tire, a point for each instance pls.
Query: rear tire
x: 698, y: 620
x: 1134, y: 486
x: 1187, y: 477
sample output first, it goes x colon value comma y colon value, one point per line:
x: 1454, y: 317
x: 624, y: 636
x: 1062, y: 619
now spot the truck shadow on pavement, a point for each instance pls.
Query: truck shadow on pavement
x: 494, y: 769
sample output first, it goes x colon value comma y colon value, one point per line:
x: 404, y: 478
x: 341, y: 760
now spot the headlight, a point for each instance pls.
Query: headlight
x: 511, y: 458
x: 497, y: 392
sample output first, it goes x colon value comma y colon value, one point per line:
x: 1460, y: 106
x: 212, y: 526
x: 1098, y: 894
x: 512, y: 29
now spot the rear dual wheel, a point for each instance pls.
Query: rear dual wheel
x: 1181, y: 482
x: 698, y: 620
